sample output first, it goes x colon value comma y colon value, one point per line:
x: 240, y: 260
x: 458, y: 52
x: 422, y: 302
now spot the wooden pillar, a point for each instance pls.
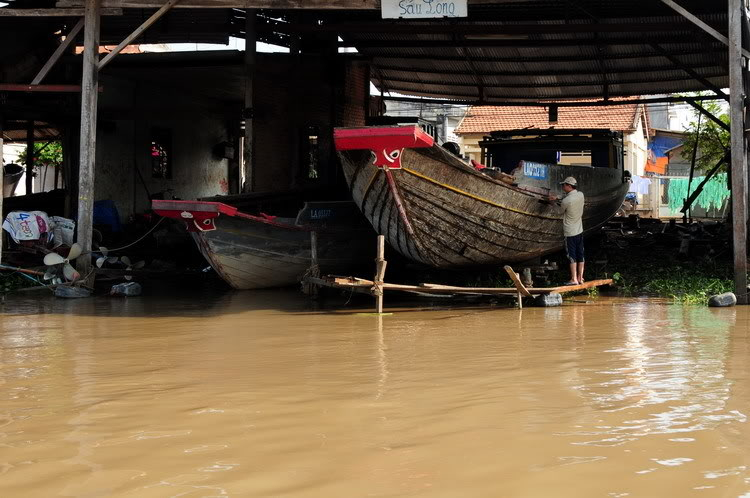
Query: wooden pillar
x: 249, y: 143
x: 30, y: 157
x: 739, y: 177
x: 738, y: 145
x: 89, y: 96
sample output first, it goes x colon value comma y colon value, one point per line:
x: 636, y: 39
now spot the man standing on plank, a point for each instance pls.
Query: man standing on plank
x: 572, y: 205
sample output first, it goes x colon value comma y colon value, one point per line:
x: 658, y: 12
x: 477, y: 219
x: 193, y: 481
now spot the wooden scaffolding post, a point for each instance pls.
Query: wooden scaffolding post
x: 380, y: 264
x: 247, y: 114
x: 738, y: 147
x: 89, y: 101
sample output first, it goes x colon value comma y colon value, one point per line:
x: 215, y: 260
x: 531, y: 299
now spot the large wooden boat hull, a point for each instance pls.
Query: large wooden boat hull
x: 252, y: 252
x: 442, y: 212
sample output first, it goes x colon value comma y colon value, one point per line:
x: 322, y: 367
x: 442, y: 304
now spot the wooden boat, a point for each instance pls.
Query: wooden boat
x: 254, y: 252
x: 437, y: 209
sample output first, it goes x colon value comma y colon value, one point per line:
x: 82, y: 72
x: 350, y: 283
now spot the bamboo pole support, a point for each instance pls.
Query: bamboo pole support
x: 380, y: 264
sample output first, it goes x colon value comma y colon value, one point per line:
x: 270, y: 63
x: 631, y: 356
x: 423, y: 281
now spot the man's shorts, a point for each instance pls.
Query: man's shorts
x: 574, y: 248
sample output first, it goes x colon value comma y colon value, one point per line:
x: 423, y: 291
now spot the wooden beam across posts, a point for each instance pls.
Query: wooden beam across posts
x: 15, y: 87
x: 89, y: 104
x: 251, y: 4
x: 55, y: 12
x: 243, y: 4
x: 137, y: 32
x: 738, y: 148
x: 58, y: 52
x: 702, y: 25
x: 247, y: 112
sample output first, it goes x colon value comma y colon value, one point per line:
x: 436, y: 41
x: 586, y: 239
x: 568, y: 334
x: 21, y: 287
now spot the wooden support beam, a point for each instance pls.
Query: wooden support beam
x: 89, y: 106
x: 515, y: 43
x: 543, y: 71
x: 534, y: 101
x: 555, y: 83
x: 468, y: 29
x: 247, y: 113
x: 14, y: 87
x: 253, y: 4
x: 239, y: 4
x: 738, y: 153
x: 137, y: 32
x: 715, y: 50
x: 30, y: 157
x: 76, y: 12
x: 702, y: 25
x: 58, y: 52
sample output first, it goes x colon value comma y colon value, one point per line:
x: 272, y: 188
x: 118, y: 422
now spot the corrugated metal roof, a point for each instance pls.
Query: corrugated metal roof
x: 508, y: 50
x: 522, y: 52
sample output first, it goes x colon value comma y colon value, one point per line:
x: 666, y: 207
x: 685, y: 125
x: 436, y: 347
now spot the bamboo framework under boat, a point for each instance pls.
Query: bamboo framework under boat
x: 377, y: 286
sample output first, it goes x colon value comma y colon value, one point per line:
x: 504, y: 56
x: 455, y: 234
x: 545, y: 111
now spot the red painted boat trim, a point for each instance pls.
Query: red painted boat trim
x: 199, y: 215
x: 400, y: 136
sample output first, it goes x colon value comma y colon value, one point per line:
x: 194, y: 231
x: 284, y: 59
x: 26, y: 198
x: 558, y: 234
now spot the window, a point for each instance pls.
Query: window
x: 161, y: 153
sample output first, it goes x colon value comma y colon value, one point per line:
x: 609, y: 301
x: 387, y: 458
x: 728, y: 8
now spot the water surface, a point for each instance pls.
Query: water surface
x: 258, y: 394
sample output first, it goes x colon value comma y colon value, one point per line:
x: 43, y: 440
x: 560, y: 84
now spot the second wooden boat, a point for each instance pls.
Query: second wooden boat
x: 255, y: 252
x: 437, y: 209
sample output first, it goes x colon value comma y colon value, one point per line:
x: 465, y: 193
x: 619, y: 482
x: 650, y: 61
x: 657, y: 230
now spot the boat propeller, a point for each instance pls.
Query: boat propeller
x: 55, y: 262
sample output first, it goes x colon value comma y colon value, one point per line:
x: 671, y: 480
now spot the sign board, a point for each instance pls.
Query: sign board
x: 535, y: 170
x: 423, y: 9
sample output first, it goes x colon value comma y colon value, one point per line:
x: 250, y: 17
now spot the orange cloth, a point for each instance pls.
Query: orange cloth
x: 659, y: 166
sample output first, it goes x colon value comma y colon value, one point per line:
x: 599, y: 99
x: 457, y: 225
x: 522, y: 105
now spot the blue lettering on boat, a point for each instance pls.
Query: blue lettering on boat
x: 320, y: 214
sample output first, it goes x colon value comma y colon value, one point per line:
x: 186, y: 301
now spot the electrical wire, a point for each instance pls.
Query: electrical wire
x: 133, y: 243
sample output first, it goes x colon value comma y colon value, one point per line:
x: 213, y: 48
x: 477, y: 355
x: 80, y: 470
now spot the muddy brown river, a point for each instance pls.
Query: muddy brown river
x: 258, y: 394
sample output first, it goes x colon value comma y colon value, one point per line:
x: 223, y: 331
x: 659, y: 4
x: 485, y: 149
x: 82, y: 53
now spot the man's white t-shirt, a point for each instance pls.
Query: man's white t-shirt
x: 572, y: 206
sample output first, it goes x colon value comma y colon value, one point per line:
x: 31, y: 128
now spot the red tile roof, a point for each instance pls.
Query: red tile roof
x: 485, y: 119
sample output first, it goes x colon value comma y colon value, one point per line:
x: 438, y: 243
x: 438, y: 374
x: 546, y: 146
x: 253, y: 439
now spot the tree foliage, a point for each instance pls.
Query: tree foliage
x: 45, y: 153
x: 712, y: 139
